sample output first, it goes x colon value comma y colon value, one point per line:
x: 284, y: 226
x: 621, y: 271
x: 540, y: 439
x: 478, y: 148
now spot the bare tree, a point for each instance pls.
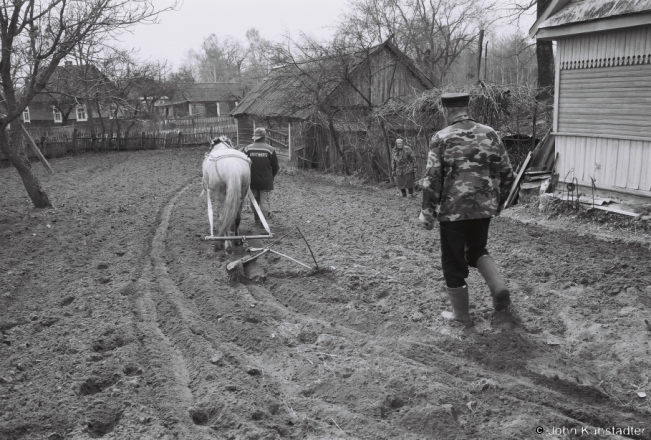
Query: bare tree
x: 259, y: 58
x: 218, y: 59
x: 512, y: 60
x: 544, y: 49
x: 135, y: 87
x: 35, y: 36
x: 433, y: 32
x: 341, y: 85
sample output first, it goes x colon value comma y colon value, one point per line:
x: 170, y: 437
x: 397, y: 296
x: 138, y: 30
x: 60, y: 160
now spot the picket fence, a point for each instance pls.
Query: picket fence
x: 61, y: 143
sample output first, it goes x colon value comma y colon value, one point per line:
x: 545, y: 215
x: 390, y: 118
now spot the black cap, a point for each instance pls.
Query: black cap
x: 455, y: 99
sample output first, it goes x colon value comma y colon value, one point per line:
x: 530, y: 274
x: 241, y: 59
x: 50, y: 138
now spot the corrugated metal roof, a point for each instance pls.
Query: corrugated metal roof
x: 200, y: 92
x: 587, y: 10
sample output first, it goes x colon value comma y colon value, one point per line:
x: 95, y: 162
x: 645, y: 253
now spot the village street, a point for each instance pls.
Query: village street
x: 118, y: 319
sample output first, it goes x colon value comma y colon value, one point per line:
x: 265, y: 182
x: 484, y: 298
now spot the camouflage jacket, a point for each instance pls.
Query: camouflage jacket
x: 468, y: 173
x: 403, y: 161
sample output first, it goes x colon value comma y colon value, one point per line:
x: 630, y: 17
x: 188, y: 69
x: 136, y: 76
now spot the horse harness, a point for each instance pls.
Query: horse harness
x: 216, y: 158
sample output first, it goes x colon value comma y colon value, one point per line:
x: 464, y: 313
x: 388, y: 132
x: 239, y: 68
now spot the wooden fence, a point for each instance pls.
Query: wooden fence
x: 76, y: 142
x: 280, y: 141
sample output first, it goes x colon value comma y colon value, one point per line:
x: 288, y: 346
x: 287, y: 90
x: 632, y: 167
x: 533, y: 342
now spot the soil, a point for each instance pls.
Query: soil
x: 118, y: 320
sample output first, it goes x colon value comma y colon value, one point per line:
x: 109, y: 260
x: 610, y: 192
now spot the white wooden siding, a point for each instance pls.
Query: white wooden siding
x: 624, y: 163
x: 619, y: 48
x: 603, y: 109
x: 606, y: 100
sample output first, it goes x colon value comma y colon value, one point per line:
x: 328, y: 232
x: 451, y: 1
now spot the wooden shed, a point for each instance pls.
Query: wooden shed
x: 202, y: 99
x: 313, y: 105
x: 602, y: 122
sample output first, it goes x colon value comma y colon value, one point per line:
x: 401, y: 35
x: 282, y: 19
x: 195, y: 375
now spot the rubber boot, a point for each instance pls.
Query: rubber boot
x: 459, y: 299
x: 500, y: 293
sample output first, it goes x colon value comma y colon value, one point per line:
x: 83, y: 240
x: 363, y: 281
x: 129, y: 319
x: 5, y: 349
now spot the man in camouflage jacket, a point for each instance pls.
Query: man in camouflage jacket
x: 467, y: 181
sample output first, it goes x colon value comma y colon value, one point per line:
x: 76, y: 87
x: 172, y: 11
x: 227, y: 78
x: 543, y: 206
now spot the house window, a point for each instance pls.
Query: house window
x: 113, y: 113
x: 26, y: 115
x: 219, y: 113
x: 81, y: 113
x: 237, y: 103
x: 197, y: 109
x: 58, y: 117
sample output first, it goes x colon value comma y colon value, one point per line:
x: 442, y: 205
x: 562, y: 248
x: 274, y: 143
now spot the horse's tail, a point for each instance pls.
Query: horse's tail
x: 232, y: 202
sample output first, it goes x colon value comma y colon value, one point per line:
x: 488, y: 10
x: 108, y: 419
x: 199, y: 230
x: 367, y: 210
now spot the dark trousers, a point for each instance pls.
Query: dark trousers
x: 404, y: 191
x: 462, y: 243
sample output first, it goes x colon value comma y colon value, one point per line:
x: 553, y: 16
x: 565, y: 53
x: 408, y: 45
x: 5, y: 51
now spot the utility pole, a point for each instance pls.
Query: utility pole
x: 480, y: 46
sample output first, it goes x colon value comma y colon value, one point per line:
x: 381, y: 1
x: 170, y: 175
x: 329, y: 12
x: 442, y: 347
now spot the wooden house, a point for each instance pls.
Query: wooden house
x: 69, y: 98
x: 201, y: 99
x: 310, y: 106
x: 602, y: 122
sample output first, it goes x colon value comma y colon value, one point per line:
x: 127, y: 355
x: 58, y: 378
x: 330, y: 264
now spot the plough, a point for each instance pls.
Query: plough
x: 246, y: 237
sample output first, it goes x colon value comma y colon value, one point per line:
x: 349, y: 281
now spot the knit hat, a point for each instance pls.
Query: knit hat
x: 259, y: 133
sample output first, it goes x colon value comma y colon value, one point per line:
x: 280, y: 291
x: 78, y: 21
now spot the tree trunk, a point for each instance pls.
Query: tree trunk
x: 15, y: 152
x: 545, y: 59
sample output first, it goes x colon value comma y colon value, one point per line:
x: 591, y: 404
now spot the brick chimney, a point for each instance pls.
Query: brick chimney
x: 67, y: 63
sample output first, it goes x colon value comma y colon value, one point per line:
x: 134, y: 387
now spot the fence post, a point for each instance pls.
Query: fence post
x: 74, y: 142
x: 289, y: 140
x: 43, y: 147
x: 178, y: 141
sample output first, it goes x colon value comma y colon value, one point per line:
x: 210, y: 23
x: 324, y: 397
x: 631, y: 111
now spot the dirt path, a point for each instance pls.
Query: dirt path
x: 120, y: 322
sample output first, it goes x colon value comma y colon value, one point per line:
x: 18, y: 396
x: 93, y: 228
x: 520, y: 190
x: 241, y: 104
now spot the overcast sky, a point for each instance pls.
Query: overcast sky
x: 184, y: 29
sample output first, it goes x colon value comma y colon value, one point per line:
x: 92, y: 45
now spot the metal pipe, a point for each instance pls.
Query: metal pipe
x: 238, y: 237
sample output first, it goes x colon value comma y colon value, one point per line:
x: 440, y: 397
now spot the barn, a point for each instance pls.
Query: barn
x: 602, y: 122
x: 318, y: 108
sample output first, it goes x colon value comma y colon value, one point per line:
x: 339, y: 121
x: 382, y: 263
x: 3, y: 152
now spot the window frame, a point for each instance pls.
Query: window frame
x: 26, y: 112
x: 55, y: 112
x: 85, y: 114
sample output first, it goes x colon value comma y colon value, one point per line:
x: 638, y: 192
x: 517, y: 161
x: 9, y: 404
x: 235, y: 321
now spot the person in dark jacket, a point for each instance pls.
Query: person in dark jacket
x: 264, y: 167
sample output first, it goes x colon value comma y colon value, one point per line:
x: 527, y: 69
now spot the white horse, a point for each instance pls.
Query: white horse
x: 226, y: 172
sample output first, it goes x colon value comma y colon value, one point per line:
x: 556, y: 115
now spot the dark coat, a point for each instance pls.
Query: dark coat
x: 264, y: 165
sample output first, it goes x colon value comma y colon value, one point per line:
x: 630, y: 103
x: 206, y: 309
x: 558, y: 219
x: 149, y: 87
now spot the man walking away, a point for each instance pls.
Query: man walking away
x: 404, y: 167
x: 467, y: 181
x: 264, y: 167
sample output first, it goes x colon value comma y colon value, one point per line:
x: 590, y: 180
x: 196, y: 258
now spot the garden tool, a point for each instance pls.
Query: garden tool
x: 500, y: 293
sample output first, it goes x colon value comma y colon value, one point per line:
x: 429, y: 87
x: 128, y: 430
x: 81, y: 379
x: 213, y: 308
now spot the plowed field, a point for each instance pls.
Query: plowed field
x: 119, y: 321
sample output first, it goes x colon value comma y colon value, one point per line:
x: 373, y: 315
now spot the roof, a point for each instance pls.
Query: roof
x: 284, y: 93
x: 566, y: 12
x: 291, y: 91
x: 214, y: 91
